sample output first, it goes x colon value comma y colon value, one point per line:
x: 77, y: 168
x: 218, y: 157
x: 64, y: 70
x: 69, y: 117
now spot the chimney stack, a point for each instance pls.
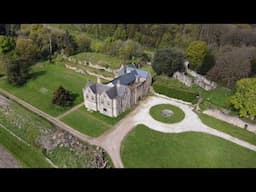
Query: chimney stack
x: 118, y: 83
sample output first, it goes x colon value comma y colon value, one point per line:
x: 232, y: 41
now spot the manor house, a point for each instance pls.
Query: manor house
x: 112, y: 98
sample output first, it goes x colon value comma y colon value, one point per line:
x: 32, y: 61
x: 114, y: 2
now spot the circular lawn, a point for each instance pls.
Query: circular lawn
x: 146, y: 148
x: 167, y: 113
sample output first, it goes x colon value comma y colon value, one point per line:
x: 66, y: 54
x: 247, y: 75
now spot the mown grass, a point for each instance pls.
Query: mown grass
x: 228, y: 128
x: 146, y: 148
x: 177, y: 116
x: 86, y: 122
x: 46, y: 78
x: 90, y: 122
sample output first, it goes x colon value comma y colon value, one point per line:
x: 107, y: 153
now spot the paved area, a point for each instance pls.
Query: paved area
x: 7, y: 160
x: 230, y: 119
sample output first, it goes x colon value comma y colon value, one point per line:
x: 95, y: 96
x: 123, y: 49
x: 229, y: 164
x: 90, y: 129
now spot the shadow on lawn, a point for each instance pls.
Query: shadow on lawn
x: 74, y: 95
x: 37, y: 74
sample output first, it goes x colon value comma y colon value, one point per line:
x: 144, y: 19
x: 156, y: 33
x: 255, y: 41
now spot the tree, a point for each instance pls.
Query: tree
x: 195, y: 53
x: 253, y: 67
x: 83, y: 43
x: 130, y: 49
x: 232, y: 64
x: 17, y: 71
x: 6, y: 44
x: 69, y: 44
x: 120, y: 33
x: 208, y: 63
x: 62, y: 97
x: 26, y: 49
x: 2, y: 65
x: 244, y: 98
x: 168, y: 61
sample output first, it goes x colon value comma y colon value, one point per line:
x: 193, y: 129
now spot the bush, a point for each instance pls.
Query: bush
x: 62, y: 97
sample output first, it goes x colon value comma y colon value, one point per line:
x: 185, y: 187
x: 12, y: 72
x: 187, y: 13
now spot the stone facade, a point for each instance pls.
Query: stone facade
x: 111, y: 99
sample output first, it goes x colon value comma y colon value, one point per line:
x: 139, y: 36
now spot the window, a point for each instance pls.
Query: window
x: 87, y: 96
x: 102, y: 101
x: 92, y: 97
x: 108, y: 103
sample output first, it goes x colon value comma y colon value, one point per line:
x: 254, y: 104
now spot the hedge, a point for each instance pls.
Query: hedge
x: 176, y: 93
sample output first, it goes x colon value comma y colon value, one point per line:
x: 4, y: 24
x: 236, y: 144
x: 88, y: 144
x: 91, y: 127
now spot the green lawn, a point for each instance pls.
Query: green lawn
x: 86, y: 122
x: 91, y: 122
x: 228, y: 128
x: 39, y: 90
x: 218, y: 96
x: 177, y: 116
x: 28, y: 156
x: 146, y: 148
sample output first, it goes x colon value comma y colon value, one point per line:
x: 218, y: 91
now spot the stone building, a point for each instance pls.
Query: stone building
x: 112, y: 98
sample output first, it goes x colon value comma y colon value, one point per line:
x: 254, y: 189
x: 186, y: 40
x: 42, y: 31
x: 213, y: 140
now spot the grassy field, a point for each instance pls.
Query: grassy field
x: 24, y: 123
x: 26, y: 126
x: 39, y: 90
x: 228, y: 128
x: 91, y: 123
x: 145, y: 148
x: 28, y: 156
x: 30, y: 127
x: 100, y: 59
x: 177, y: 116
x: 86, y: 122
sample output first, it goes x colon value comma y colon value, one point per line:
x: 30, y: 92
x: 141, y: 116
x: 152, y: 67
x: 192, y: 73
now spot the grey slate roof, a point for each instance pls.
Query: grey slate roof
x: 132, y: 67
x: 96, y: 87
x: 115, y: 91
x: 125, y: 79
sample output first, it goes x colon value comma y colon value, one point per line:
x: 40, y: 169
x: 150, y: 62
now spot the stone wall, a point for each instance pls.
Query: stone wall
x: 201, y: 81
x: 88, y: 63
x: 183, y: 78
x: 87, y: 72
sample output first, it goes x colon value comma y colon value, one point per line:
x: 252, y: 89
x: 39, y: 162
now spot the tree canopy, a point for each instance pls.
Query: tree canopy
x: 196, y: 53
x: 168, y: 61
x: 244, y: 98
